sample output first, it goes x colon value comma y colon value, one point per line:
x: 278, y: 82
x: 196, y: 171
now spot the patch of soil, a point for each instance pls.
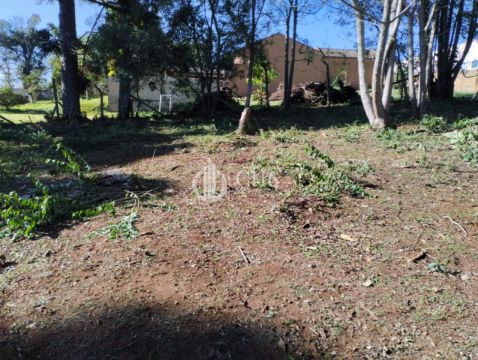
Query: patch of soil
x: 259, y: 274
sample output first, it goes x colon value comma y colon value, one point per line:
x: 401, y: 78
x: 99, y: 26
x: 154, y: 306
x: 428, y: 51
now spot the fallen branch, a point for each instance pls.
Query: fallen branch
x: 457, y: 224
x: 6, y: 120
x: 372, y: 315
x: 244, y: 255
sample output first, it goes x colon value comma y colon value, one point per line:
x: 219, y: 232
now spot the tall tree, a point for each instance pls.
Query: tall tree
x: 133, y: 44
x: 210, y: 31
x: 427, y: 28
x: 70, y: 75
x: 456, y: 20
x: 291, y: 11
x: 377, y: 105
x: 25, y: 46
x: 255, y: 8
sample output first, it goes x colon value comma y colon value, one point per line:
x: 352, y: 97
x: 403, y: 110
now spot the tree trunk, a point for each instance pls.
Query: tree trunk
x: 451, y: 28
x: 411, y: 61
x: 388, y: 80
x: 56, y: 109
x: 364, y: 95
x: 124, y: 98
x: 266, y: 86
x: 327, y: 74
x: 427, y: 30
x: 381, y: 116
x: 377, y: 107
x: 69, y: 69
x: 286, y: 99
x: 246, y: 124
x: 102, y: 102
x: 294, y: 45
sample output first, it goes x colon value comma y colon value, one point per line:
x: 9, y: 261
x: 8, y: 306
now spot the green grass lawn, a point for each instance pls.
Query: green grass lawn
x: 36, y: 112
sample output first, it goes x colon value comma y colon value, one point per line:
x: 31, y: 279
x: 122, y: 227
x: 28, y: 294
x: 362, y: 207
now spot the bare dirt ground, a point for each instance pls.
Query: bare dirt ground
x: 393, y: 275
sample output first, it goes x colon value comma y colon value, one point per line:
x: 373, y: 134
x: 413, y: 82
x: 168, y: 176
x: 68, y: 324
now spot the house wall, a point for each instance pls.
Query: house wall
x: 343, y: 66
x: 169, y: 87
x: 471, y: 58
x: 467, y: 82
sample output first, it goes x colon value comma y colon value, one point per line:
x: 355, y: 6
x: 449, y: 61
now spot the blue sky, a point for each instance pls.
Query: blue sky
x: 48, y: 11
x: 319, y: 30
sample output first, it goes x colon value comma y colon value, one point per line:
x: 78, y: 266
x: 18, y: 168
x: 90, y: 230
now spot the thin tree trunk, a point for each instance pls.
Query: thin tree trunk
x: 364, y: 95
x: 102, y: 102
x: 427, y: 32
x: 327, y: 73
x: 56, y: 110
x: 266, y: 85
x: 388, y: 83
x: 69, y: 69
x: 411, y: 61
x: 294, y: 45
x: 125, y: 91
x: 286, y: 99
x: 246, y: 123
x: 124, y: 99
x: 381, y: 116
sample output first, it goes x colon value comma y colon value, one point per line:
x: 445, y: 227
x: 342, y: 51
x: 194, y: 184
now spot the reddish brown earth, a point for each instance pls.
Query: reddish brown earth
x: 350, y: 282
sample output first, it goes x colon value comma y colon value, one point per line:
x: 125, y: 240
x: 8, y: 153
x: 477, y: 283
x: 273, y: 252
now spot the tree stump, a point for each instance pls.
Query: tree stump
x: 247, y: 125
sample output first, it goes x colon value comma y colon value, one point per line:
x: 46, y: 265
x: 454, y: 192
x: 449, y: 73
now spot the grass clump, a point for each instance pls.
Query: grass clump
x: 44, y: 200
x: 283, y: 136
x: 465, y: 139
x: 318, y: 174
x: 352, y: 133
x: 124, y: 228
x: 434, y: 124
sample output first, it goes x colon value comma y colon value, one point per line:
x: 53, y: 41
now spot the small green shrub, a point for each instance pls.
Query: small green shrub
x: 466, y: 140
x: 125, y: 228
x: 8, y: 98
x: 352, y: 133
x: 434, y: 124
x: 23, y: 215
x: 318, y: 175
x: 283, y: 136
x: 362, y: 168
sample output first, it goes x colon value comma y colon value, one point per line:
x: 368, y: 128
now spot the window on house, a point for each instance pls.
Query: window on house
x: 474, y: 64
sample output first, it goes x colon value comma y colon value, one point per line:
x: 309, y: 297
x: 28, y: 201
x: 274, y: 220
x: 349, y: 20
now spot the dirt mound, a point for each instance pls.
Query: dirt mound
x: 317, y: 93
x: 226, y: 101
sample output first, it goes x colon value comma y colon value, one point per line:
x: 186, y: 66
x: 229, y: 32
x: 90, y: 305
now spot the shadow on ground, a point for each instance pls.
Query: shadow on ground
x: 321, y: 118
x: 143, y: 332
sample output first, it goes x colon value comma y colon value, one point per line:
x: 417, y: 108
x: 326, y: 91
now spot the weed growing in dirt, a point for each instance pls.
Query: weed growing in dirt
x: 465, y: 139
x: 125, y: 228
x: 23, y: 214
x: 434, y: 124
x: 317, y: 175
x: 352, y: 133
x: 283, y: 136
x: 361, y: 168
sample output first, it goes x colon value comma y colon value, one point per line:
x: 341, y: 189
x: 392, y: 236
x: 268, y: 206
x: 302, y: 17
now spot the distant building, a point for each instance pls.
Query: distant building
x: 467, y: 80
x: 161, y: 93
x: 166, y: 93
x: 309, y: 64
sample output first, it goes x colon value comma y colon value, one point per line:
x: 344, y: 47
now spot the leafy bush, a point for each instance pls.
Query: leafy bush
x: 124, y: 228
x: 9, y: 98
x: 24, y: 214
x: 321, y: 177
x: 466, y: 140
x: 434, y: 124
